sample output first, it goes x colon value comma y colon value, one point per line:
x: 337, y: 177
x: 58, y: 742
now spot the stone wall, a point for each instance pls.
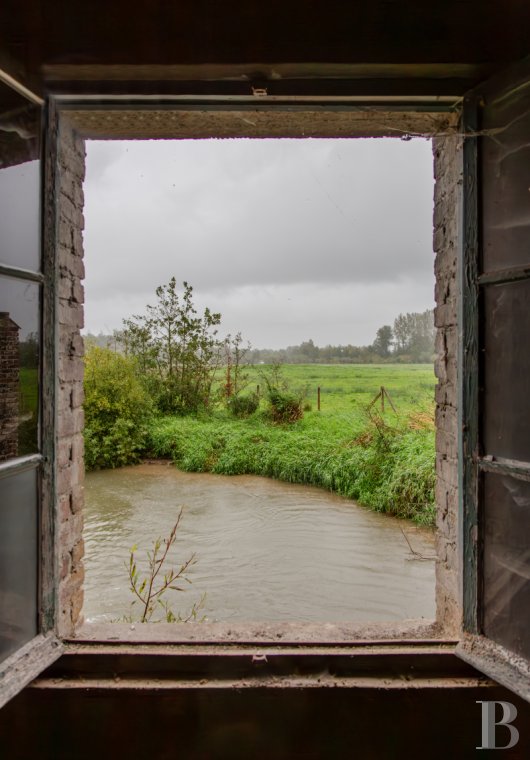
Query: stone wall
x: 70, y: 468
x: 9, y: 387
x: 448, y: 177
x: 70, y: 421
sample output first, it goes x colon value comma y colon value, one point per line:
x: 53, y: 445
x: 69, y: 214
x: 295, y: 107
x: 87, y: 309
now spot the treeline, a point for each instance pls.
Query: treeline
x: 409, y: 341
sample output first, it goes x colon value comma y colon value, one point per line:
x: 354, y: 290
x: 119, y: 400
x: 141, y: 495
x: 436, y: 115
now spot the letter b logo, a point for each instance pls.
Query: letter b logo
x: 489, y: 724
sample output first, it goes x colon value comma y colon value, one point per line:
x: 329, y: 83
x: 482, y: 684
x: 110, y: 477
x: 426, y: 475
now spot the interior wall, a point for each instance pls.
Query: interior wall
x: 448, y: 167
x: 70, y: 417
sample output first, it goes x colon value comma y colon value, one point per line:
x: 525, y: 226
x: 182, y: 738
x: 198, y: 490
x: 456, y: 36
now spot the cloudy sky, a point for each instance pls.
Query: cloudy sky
x: 288, y: 239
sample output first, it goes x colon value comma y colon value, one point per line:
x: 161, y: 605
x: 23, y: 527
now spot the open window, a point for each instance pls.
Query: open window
x: 495, y: 367
x: 27, y: 586
x: 494, y: 490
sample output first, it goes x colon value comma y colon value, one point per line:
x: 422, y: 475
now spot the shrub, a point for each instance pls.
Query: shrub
x: 243, y: 406
x: 284, y: 407
x: 117, y: 410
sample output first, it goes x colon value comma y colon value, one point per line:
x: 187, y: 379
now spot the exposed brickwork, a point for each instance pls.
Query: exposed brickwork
x: 9, y: 387
x: 448, y: 176
x: 70, y: 298
x: 70, y: 472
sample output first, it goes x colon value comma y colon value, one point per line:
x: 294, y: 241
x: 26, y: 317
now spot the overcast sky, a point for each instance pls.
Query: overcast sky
x: 288, y: 239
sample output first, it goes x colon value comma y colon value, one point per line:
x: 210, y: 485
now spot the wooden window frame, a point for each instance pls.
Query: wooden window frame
x: 22, y: 666
x: 475, y: 647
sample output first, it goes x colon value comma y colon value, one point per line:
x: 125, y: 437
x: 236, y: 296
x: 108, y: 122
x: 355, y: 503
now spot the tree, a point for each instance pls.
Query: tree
x: 177, y: 350
x: 383, y: 341
x: 235, y: 359
x: 414, y: 334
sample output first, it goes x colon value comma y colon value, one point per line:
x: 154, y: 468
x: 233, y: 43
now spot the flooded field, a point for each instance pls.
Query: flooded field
x: 266, y: 550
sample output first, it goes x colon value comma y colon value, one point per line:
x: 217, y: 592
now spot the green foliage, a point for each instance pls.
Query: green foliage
x: 284, y: 407
x: 243, y: 406
x: 389, y: 468
x: 151, y: 589
x: 234, y: 354
x: 414, y: 335
x: 176, y: 351
x: 383, y: 341
x: 117, y: 410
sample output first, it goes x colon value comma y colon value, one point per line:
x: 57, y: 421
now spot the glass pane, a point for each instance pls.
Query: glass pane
x: 507, y: 562
x: 507, y: 370
x: 19, y: 361
x: 19, y: 181
x: 506, y: 183
x: 18, y: 560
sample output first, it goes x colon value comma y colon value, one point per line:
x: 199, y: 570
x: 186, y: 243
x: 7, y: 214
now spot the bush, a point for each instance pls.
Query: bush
x: 117, y: 410
x: 284, y: 407
x: 243, y: 406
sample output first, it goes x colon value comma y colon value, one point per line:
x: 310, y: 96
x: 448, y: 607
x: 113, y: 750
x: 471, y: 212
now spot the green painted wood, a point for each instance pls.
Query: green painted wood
x: 48, y: 574
x: 468, y: 407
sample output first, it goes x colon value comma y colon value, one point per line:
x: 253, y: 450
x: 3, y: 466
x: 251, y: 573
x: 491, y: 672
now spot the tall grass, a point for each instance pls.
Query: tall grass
x: 389, y: 469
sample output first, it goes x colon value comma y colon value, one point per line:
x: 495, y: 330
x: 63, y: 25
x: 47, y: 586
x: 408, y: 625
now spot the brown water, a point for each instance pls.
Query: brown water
x: 266, y: 550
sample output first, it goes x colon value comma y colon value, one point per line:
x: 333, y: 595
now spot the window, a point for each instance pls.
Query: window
x: 495, y: 409
x: 24, y: 293
x: 498, y: 492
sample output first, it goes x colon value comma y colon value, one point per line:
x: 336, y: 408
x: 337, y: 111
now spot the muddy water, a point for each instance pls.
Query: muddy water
x: 265, y: 550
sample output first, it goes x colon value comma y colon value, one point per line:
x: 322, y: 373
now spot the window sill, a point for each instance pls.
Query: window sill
x: 266, y: 634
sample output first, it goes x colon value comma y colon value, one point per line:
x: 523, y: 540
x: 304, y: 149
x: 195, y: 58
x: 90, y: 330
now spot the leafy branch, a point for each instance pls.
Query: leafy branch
x: 150, y: 588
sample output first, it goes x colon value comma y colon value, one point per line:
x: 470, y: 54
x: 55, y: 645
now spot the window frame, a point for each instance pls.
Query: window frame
x: 468, y: 326
x: 476, y: 648
x: 23, y: 665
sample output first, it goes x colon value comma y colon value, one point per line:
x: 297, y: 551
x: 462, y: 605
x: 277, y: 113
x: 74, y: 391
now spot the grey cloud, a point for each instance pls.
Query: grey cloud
x: 230, y: 216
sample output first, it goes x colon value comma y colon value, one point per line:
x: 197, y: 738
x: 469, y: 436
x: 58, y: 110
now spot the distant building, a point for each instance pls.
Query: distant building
x: 9, y: 386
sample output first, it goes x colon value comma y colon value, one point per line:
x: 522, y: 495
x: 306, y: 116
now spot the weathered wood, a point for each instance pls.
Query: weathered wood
x: 20, y: 464
x: 468, y: 407
x: 504, y: 275
x: 48, y: 558
x: 496, y: 662
x: 511, y: 467
x: 502, y: 104
x: 254, y: 119
x: 21, y: 274
x: 27, y: 663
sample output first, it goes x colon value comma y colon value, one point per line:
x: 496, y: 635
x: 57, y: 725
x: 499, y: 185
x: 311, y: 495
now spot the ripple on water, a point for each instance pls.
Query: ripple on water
x: 266, y: 550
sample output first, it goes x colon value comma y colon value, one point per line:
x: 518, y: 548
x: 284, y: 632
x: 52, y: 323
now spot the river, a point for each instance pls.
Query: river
x: 266, y: 550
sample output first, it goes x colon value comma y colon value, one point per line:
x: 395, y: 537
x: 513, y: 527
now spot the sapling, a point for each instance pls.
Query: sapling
x: 151, y: 589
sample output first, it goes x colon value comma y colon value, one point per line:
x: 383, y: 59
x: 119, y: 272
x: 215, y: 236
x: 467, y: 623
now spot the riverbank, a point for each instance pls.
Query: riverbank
x: 388, y: 467
x: 381, y: 457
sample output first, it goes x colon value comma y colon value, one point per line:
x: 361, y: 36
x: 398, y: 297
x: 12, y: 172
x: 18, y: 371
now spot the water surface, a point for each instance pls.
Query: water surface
x: 266, y: 550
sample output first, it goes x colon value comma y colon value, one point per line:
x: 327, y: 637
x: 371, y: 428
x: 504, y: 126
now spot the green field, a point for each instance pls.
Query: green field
x: 385, y: 461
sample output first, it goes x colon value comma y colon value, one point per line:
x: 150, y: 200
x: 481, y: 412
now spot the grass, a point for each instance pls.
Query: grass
x: 385, y: 461
x: 29, y: 403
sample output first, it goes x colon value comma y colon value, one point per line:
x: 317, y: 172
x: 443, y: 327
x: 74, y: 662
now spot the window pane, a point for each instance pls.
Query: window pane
x: 19, y: 181
x: 18, y: 561
x: 506, y: 370
x: 19, y: 375
x: 507, y: 562
x: 506, y: 180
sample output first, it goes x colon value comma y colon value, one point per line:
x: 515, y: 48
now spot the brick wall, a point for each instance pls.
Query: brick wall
x: 9, y: 387
x: 70, y: 472
x: 70, y: 298
x: 448, y: 175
